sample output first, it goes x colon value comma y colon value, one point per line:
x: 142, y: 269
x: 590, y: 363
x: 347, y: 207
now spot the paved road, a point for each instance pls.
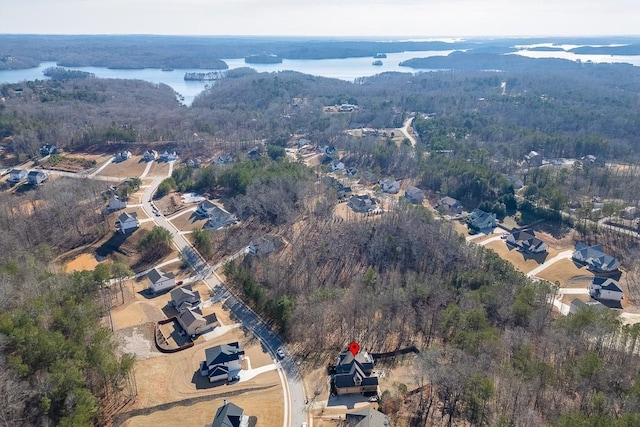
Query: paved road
x: 294, y: 392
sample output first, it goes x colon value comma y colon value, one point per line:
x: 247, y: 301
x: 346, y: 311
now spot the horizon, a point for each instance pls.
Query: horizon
x: 324, y: 18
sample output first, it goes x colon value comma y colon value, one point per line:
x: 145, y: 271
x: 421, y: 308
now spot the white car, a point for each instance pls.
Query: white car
x: 280, y: 353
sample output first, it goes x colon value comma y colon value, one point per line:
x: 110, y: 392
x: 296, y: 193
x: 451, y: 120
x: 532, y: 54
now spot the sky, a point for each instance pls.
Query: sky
x: 331, y: 18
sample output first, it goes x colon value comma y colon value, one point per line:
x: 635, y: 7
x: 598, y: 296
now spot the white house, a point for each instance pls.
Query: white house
x: 194, y: 323
x: 116, y: 203
x: 337, y: 166
x: 36, y: 177
x: 222, y: 362
x: 17, y: 175
x: 127, y: 221
x: 160, y: 281
x: 184, y: 297
x: 604, y: 288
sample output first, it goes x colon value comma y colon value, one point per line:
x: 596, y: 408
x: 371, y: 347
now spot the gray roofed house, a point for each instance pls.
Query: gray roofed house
x: 264, y: 245
x: 414, y: 195
x: 354, y: 374
x: 527, y: 241
x: 222, y: 362
x: 123, y: 155
x: 194, y: 322
x: 48, y: 149
x: 219, y: 218
x: 17, y: 175
x: 366, y: 417
x: 230, y: 415
x: 116, y: 203
x: 127, y: 221
x: 223, y: 160
x: 36, y: 177
x: 390, y: 185
x: 594, y: 258
x: 479, y: 219
x: 150, y: 155
x: 351, y: 171
x: 184, y: 297
x: 159, y: 280
x: 605, y: 288
x: 451, y: 205
x: 169, y: 156
x: 533, y: 158
x: 337, y: 166
x: 362, y: 203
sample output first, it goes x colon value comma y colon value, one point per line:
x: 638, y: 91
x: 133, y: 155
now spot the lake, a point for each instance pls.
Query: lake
x: 345, y: 69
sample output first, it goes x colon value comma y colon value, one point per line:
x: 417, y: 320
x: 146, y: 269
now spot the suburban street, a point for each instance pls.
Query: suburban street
x: 295, y: 413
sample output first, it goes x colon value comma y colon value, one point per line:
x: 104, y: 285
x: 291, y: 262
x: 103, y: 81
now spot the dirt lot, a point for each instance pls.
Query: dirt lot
x: 81, y: 262
x: 129, y: 168
x: 188, y: 221
x: 521, y: 261
x: 159, y: 169
x: 568, y: 274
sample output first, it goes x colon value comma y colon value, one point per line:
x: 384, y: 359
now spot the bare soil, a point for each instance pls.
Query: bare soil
x: 81, y: 263
x: 159, y: 169
x: 188, y: 221
x: 568, y: 274
x: 132, y: 167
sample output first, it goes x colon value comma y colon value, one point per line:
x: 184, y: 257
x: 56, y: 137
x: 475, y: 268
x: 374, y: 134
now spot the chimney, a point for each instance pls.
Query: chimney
x: 224, y: 402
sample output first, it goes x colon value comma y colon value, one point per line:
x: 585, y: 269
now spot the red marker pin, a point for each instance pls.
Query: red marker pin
x: 354, y: 348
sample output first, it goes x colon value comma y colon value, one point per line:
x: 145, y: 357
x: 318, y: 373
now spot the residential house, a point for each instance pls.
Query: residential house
x: 604, y: 288
x: 480, y: 220
x: 36, y: 177
x: 526, y: 241
x: 343, y: 192
x: 123, y: 155
x: 222, y: 362
x: 630, y: 212
x: 218, y: 217
x: 577, y: 305
x: 337, y: 166
x: 303, y: 142
x: 193, y: 163
x: 17, y: 175
x: 48, y: 150
x: 594, y: 258
x: 127, y: 222
x: 362, y: 203
x: 414, y: 195
x: 354, y: 374
x: 390, y: 185
x: 184, y: 297
x: 516, y: 182
x: 264, y: 245
x: 223, y: 160
x: 169, y: 156
x: 450, y: 205
x: 352, y: 171
x: 194, y: 323
x: 150, y: 155
x: 368, y: 178
x: 116, y: 203
x: 366, y: 417
x: 330, y: 151
x: 230, y: 415
x: 346, y: 108
x: 533, y: 158
x: 160, y: 281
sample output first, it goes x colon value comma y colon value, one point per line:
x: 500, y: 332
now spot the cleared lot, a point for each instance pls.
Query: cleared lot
x: 522, y: 261
x: 129, y: 168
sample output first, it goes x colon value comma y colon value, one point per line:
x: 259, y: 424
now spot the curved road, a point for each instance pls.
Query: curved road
x: 295, y: 413
x: 405, y: 131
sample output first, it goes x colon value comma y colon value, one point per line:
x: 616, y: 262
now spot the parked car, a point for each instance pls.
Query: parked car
x: 280, y: 353
x: 179, y: 282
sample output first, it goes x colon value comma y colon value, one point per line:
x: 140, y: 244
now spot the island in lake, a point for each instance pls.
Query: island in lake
x: 377, y: 62
x: 263, y: 59
x: 211, y: 75
x: 61, y: 73
x: 380, y: 55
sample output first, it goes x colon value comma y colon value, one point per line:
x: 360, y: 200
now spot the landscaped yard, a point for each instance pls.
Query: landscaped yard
x: 522, y: 261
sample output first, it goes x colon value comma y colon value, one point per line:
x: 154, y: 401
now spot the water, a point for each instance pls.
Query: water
x: 344, y: 69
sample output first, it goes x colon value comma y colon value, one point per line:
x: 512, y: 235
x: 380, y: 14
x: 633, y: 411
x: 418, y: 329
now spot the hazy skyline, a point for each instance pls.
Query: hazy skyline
x: 400, y: 18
